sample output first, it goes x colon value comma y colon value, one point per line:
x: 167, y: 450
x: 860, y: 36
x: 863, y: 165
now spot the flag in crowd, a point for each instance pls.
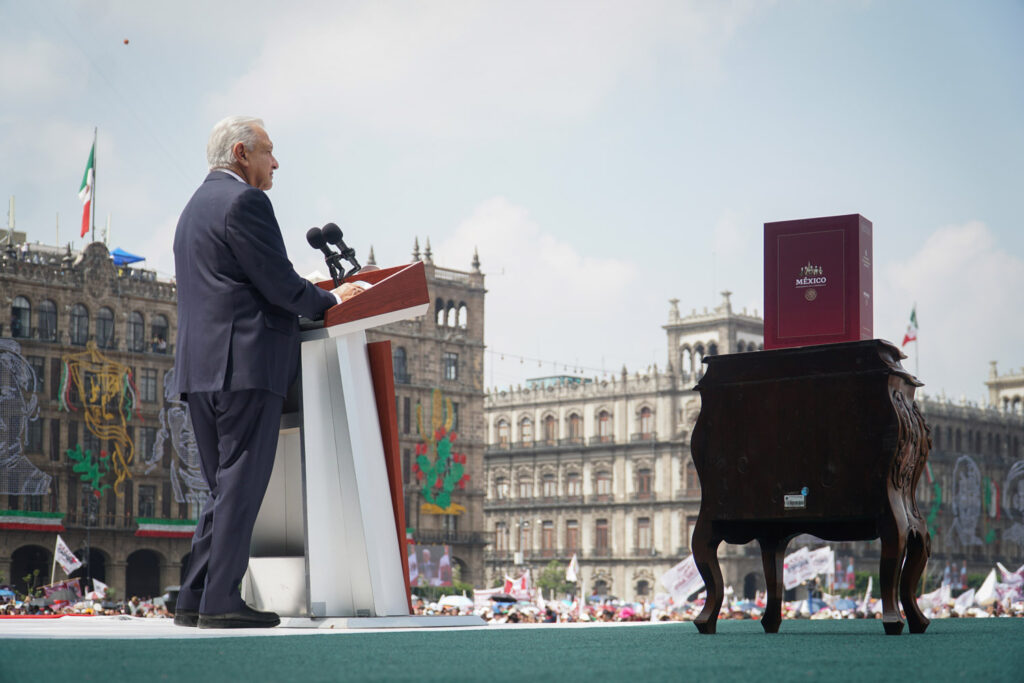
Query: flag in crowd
x: 572, y: 572
x: 65, y: 558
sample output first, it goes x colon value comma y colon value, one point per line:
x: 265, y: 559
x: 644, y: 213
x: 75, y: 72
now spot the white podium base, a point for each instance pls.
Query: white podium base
x: 352, y: 623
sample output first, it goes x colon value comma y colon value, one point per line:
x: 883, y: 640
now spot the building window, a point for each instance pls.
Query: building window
x: 34, y: 503
x: 406, y: 465
x: 601, y: 536
x: 604, y: 425
x: 34, y: 436
x: 604, y: 483
x: 643, y: 483
x: 526, y: 431
x: 90, y: 504
x: 463, y: 316
x: 549, y: 487
x: 501, y: 537
x: 145, y: 442
x: 550, y: 430
x: 165, y: 500
x: 439, y: 312
x: 398, y: 359
x: 643, y: 589
x: 524, y: 536
x: 21, y: 317
x: 450, y: 365
x: 147, y: 501
x: 147, y: 385
x: 692, y: 480
x: 451, y: 313
x: 575, y: 428
x: 455, y: 416
x: 54, y: 441
x: 136, y: 332
x: 46, y: 320
x: 547, y: 538
x: 501, y: 488
x: 158, y: 328
x: 646, y: 423
x: 38, y: 364
x: 406, y: 415
x: 572, y: 535
x: 525, y: 488
x: 643, y: 533
x: 105, y: 328
x: 573, y: 485
x: 79, y: 331
x: 503, y: 433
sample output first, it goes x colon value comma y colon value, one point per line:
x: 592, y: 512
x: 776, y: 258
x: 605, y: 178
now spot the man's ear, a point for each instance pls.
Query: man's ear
x: 238, y: 152
x: 32, y: 407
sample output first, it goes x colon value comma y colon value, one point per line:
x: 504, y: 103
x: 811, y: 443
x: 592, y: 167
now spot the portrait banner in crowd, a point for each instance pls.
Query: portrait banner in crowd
x: 430, y: 565
x: 19, y: 406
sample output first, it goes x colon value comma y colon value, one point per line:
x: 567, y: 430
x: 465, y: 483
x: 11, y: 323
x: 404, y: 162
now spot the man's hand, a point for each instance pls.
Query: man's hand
x: 347, y: 290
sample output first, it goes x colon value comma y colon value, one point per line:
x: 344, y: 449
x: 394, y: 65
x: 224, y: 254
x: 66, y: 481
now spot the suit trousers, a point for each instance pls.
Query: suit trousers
x: 236, y: 432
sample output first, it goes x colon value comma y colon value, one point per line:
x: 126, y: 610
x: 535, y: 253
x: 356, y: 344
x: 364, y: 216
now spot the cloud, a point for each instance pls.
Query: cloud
x: 969, y: 308
x: 545, y: 297
x: 455, y: 69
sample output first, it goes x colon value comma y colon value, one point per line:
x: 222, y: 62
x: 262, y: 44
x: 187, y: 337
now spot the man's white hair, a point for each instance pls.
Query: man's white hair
x: 226, y: 134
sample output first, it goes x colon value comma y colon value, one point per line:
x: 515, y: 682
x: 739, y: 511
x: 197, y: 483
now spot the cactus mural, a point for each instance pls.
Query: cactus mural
x: 438, y: 467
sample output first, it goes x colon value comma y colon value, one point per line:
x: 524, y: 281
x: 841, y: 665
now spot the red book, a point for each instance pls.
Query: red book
x: 817, y: 281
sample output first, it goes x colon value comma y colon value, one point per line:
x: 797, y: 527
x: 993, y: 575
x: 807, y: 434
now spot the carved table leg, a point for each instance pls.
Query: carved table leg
x: 705, y: 556
x: 772, y: 557
x: 894, y: 549
x: 918, y: 550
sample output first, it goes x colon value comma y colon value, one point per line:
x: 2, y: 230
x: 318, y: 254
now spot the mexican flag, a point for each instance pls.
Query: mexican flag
x: 85, y: 192
x: 165, y: 528
x: 911, y: 335
x: 24, y: 520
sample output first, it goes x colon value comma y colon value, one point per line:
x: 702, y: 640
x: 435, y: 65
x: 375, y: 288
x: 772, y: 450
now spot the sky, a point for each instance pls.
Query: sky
x: 602, y: 157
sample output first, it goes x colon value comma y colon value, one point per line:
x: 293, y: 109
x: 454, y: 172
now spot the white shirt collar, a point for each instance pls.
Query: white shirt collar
x: 232, y: 174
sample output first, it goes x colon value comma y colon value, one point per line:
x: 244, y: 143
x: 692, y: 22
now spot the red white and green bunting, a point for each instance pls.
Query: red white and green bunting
x: 85, y: 192
x: 165, y: 528
x: 23, y: 520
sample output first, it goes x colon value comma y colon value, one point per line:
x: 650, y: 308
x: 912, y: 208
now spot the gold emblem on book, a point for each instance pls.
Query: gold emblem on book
x: 811, y: 294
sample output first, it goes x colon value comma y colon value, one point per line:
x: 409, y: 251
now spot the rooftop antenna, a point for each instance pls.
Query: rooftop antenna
x: 10, y: 222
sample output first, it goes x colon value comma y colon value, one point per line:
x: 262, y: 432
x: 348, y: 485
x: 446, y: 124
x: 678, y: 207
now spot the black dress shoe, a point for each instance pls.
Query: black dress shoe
x: 186, y: 617
x: 247, y: 617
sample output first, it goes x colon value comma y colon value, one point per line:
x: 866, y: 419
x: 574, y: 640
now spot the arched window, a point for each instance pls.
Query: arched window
x: 643, y: 483
x: 135, y: 334
x: 158, y: 326
x: 501, y: 537
x: 398, y: 359
x: 575, y: 428
x: 603, y: 483
x: 21, y: 317
x: 646, y: 423
x: 643, y: 589
x: 451, y: 313
x: 46, y: 320
x: 463, y: 316
x: 712, y: 349
x: 503, y: 433
x: 501, y: 488
x: 105, y: 328
x: 604, y: 425
x: 573, y: 485
x: 549, y: 486
x: 525, y: 487
x: 686, y: 360
x: 526, y: 431
x: 739, y: 347
x: 79, y: 331
x: 550, y: 430
x: 439, y: 312
x: 698, y: 360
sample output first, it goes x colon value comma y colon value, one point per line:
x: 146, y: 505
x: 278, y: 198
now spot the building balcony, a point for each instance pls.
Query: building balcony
x: 447, y: 537
x: 403, y: 378
x: 649, y: 496
x: 645, y: 552
x: 601, y: 440
x: 571, y: 441
x: 644, y: 436
x: 603, y: 551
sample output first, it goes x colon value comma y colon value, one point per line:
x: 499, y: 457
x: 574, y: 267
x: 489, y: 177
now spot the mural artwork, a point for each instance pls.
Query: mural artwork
x: 1013, y: 503
x: 966, y: 501
x: 437, y: 466
x: 175, y: 424
x: 18, y: 407
x: 103, y: 391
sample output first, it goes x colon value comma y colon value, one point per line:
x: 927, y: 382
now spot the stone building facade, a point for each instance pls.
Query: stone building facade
x: 602, y: 469
x: 438, y: 362
x: 86, y: 453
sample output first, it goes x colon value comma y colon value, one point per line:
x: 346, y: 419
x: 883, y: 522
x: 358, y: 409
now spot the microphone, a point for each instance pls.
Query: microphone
x: 315, y: 237
x: 332, y: 233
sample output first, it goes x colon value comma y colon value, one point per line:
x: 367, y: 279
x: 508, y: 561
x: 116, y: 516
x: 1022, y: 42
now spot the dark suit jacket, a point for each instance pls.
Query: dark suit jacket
x: 238, y: 294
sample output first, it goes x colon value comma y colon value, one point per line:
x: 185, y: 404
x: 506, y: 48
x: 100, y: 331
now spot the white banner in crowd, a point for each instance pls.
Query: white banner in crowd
x: 572, y: 572
x: 65, y: 558
x: 683, y: 579
x: 796, y: 568
x: 823, y: 561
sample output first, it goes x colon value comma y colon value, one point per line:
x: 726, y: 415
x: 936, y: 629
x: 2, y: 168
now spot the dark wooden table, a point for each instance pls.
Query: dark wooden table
x: 824, y: 440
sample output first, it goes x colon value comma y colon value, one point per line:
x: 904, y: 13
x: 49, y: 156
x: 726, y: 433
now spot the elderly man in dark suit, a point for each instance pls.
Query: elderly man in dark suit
x: 237, y: 352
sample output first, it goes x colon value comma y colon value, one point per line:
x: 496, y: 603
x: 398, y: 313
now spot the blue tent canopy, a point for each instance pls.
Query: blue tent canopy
x: 123, y: 258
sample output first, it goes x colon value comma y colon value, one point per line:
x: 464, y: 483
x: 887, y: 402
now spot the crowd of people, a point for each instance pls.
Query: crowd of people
x: 135, y: 607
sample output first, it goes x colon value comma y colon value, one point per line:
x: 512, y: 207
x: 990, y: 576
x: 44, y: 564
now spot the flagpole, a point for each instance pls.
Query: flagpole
x: 53, y: 569
x: 92, y: 207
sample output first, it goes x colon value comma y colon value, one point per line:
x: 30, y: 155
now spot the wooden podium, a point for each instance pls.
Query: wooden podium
x: 328, y: 549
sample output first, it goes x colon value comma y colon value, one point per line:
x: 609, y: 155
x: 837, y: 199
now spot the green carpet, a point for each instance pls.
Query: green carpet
x: 953, y: 649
